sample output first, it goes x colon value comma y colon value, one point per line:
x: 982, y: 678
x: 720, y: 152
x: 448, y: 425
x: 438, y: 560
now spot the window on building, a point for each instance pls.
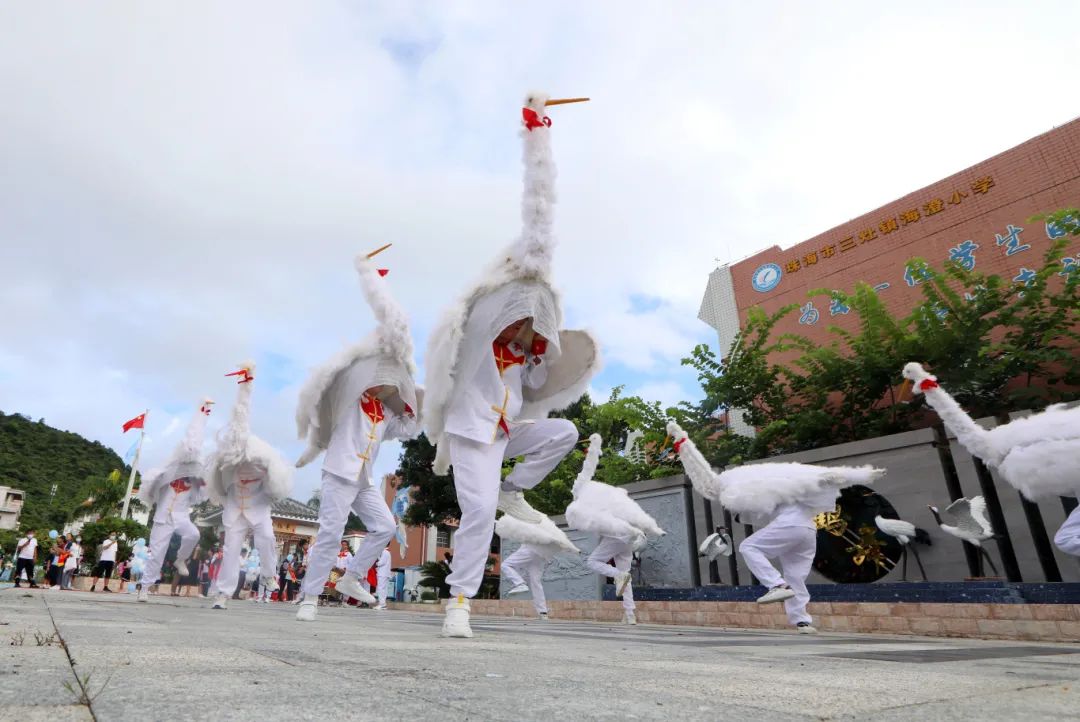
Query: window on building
x: 442, y: 537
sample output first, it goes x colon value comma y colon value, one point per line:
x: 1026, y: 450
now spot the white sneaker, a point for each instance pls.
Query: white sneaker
x: 621, y: 580
x: 350, y: 586
x: 519, y: 589
x: 307, y: 612
x: 543, y: 616
x: 299, y: 599
x: 456, y: 623
x: 514, y: 504
x: 380, y: 608
x: 630, y: 618
x: 220, y: 601
x: 144, y: 594
x: 805, y: 628
x: 55, y: 588
x: 776, y: 594
x: 181, y: 568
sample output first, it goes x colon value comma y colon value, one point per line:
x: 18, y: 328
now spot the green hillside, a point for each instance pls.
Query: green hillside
x: 34, y: 456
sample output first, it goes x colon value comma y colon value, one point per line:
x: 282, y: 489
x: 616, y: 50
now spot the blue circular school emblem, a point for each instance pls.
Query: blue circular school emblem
x: 767, y: 277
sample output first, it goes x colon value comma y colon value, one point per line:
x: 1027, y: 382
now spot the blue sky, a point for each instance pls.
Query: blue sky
x: 184, y: 186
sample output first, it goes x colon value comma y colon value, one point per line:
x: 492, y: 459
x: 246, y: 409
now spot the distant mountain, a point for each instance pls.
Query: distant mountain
x: 34, y: 456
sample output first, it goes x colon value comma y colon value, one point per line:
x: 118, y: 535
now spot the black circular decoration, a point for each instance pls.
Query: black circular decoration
x: 850, y: 547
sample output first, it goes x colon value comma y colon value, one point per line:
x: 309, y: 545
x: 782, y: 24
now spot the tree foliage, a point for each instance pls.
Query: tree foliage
x: 34, y: 456
x: 127, y: 530
x: 997, y: 344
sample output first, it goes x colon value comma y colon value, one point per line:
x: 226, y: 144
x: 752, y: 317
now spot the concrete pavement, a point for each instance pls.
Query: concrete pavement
x: 178, y: 659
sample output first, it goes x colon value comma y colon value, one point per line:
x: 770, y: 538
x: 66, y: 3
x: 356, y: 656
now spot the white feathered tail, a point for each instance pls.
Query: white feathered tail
x: 604, y: 509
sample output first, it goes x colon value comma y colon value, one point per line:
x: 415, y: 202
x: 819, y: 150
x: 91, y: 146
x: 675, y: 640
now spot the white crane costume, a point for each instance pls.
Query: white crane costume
x: 622, y: 525
x: 524, y: 569
x: 173, y: 490
x: 245, y: 476
x: 488, y: 400
x: 1037, y: 454
x: 363, y: 396
x: 781, y: 499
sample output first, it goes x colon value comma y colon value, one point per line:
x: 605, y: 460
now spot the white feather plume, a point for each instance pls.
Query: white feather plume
x: 237, y: 446
x: 757, y: 490
x: 1035, y: 454
x: 185, y: 461
x: 545, y: 534
x: 604, y: 509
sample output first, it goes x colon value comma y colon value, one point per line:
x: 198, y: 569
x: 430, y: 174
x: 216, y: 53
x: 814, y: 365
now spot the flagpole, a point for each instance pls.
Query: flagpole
x: 134, y: 464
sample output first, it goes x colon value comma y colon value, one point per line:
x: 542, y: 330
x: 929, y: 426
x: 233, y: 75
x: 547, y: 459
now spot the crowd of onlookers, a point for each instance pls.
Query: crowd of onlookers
x: 54, y: 562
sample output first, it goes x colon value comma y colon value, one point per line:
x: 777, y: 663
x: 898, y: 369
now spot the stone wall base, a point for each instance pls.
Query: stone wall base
x: 1030, y: 622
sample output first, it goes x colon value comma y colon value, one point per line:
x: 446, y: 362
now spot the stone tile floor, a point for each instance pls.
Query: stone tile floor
x: 178, y: 659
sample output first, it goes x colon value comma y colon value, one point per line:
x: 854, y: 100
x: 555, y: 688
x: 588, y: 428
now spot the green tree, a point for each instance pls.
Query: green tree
x: 127, y: 530
x: 996, y: 344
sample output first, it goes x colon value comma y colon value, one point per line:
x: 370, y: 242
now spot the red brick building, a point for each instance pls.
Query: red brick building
x: 979, y: 217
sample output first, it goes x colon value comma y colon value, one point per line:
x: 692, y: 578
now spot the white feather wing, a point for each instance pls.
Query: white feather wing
x: 757, y: 489
x: 545, y: 534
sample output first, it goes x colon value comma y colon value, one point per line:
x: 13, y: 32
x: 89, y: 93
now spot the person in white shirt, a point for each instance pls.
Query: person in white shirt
x: 382, y: 576
x: 106, y: 562
x: 246, y: 476
x: 173, y: 491
x: 497, y: 365
x: 344, y: 556
x: 25, y: 554
x: 790, y: 538
x: 351, y: 405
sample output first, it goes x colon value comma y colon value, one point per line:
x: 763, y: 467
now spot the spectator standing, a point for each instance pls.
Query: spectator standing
x: 106, y: 562
x: 25, y: 554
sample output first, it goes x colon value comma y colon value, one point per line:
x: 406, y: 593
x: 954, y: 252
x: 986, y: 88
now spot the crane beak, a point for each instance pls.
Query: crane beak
x: 377, y: 251
x: 667, y: 440
x: 905, y: 390
x: 564, y: 101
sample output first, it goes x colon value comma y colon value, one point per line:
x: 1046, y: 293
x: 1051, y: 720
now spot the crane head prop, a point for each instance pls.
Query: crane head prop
x: 244, y: 373
x: 377, y: 251
x: 206, y: 404
x: 915, y: 376
x: 532, y: 114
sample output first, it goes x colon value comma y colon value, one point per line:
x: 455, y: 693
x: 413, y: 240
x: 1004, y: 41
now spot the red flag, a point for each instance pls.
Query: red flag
x: 136, y: 423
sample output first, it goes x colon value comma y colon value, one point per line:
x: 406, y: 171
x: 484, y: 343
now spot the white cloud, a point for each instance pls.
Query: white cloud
x: 184, y: 185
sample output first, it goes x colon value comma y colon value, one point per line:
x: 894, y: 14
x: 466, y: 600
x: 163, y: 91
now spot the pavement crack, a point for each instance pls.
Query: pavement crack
x: 85, y: 698
x: 980, y: 695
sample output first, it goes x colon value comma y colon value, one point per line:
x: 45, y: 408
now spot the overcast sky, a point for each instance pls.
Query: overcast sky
x: 184, y: 185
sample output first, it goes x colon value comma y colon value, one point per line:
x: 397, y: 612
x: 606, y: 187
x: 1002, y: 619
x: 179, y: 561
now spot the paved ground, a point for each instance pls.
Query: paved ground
x: 178, y: 659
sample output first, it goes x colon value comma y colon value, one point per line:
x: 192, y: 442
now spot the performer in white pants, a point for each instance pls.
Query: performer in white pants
x: 360, y: 398
x: 622, y: 525
x: 1067, y: 538
x: 622, y: 552
x: 246, y: 475
x: 382, y: 576
x: 524, y: 569
x: 782, y: 498
x: 791, y: 539
x: 497, y: 365
x: 173, y: 491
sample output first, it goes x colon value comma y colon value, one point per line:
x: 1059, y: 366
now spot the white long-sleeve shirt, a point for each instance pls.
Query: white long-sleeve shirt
x: 489, y: 406
x: 245, y: 497
x: 355, y: 441
x: 174, y: 500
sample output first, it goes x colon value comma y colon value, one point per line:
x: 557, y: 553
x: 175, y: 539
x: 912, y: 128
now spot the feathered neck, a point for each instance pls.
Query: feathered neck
x: 530, y: 256
x: 392, y: 332
x: 588, y: 470
x: 234, y: 438
x: 190, y: 448
x: 973, y: 437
